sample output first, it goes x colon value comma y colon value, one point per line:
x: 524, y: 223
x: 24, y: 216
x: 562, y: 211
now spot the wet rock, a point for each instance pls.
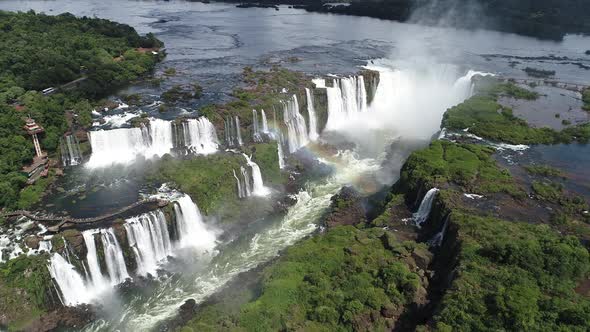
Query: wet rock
x: 422, y: 257
x: 187, y: 309
x: 32, y: 242
x: 346, y: 209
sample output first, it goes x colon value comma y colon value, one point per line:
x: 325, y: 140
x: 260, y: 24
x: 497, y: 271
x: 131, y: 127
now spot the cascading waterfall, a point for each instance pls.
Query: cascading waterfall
x: 74, y: 290
x: 258, y: 188
x: 70, y: 151
x: 264, y: 122
x: 200, y: 136
x: 149, y: 238
x: 346, y: 98
x: 124, y: 145
x: 438, y: 238
x: 313, y: 127
x: 241, y: 186
x: 280, y: 151
x: 465, y: 85
x: 114, y: 257
x: 420, y: 216
x: 233, y: 133
x: 256, y: 137
x: 296, y: 128
x: 246, y: 184
x: 161, y: 139
x: 96, y: 278
x: 192, y: 230
x: 120, y: 145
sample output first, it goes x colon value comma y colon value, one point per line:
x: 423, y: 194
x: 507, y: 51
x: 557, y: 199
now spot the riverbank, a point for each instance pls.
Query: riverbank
x: 541, y: 20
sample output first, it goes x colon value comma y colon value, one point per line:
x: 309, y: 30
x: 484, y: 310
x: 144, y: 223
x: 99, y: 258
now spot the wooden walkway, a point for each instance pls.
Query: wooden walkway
x: 152, y: 204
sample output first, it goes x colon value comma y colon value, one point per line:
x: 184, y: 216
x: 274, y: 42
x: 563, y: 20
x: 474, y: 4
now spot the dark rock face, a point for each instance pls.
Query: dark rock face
x: 187, y: 309
x: 346, y: 209
x: 68, y: 318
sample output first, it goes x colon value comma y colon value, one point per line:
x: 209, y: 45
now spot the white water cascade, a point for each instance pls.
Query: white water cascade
x: 409, y: 102
x: 149, y: 238
x: 346, y: 99
x: 313, y: 122
x: 438, y: 238
x: 232, y: 130
x: 120, y: 145
x: 124, y: 145
x: 96, y: 278
x: 297, y: 136
x: 241, y: 186
x: 200, y: 136
x: 73, y: 288
x: 256, y: 137
x: 280, y: 152
x: 258, y: 188
x: 70, y: 151
x: 192, y: 231
x: 420, y: 216
x: 113, y: 256
x: 264, y: 122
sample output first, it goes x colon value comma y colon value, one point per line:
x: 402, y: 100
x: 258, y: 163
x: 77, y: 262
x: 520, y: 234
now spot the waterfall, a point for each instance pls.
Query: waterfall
x: 296, y: 129
x: 70, y: 151
x: 438, y: 238
x: 280, y: 151
x: 423, y: 212
x: 161, y: 139
x: 246, y: 185
x: 346, y: 98
x: 124, y: 145
x: 149, y: 238
x: 238, y: 131
x: 200, y: 136
x: 465, y: 84
x: 313, y: 127
x: 241, y: 187
x: 121, y: 145
x: 256, y: 137
x: 258, y: 188
x: 264, y: 122
x: 233, y: 134
x: 96, y: 277
x: 73, y: 288
x: 114, y: 257
x: 191, y: 228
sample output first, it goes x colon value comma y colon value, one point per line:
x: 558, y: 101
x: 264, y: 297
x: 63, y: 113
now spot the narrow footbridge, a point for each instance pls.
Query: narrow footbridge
x: 63, y: 222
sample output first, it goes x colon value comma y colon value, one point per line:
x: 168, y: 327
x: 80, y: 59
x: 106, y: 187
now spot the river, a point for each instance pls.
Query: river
x: 211, y: 43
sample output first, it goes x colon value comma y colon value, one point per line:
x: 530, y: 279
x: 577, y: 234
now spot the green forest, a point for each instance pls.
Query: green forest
x: 50, y: 51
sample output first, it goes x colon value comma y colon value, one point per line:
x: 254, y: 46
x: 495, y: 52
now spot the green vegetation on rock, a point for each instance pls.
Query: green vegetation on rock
x: 467, y: 165
x: 515, y: 277
x: 486, y: 118
x: 25, y: 290
x: 207, y: 179
x: 343, y: 280
x: 544, y: 170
